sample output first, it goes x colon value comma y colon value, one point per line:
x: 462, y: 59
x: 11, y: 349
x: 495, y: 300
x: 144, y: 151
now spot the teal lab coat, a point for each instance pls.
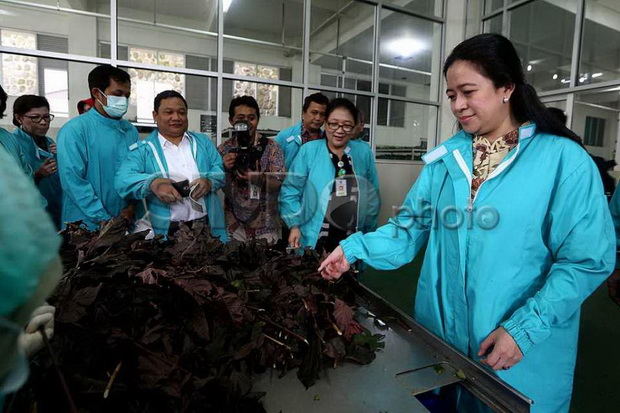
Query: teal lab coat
x: 305, y: 193
x: 49, y: 186
x: 13, y: 148
x: 290, y: 141
x: 535, y: 243
x: 147, y: 161
x: 91, y: 148
x: 29, y: 244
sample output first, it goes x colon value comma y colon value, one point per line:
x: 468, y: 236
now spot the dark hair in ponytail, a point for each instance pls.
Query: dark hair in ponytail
x: 496, y: 58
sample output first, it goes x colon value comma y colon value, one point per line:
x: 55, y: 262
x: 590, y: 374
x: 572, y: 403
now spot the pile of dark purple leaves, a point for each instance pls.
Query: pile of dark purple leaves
x: 182, y: 325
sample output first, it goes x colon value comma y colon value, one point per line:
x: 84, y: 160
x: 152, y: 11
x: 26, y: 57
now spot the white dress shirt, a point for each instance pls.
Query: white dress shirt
x: 182, y: 166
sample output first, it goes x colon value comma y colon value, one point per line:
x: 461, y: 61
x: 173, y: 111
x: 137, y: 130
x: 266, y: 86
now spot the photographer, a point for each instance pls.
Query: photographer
x: 254, y: 172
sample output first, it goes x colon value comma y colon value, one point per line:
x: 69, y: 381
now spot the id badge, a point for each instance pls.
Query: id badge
x: 341, y: 187
x: 254, y: 192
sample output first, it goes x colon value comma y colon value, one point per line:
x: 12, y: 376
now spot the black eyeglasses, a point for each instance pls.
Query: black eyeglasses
x: 39, y: 118
x: 333, y: 126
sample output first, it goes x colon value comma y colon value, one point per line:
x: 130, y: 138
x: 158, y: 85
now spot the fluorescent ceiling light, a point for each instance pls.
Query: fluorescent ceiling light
x: 555, y: 76
x: 227, y: 4
x: 405, y: 48
x: 529, y: 68
x: 599, y: 74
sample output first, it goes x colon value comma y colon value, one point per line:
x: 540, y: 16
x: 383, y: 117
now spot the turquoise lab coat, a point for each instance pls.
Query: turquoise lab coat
x: 91, y: 148
x: 49, y: 186
x: 13, y: 148
x: 305, y: 193
x: 535, y: 243
x: 290, y: 141
x: 147, y: 161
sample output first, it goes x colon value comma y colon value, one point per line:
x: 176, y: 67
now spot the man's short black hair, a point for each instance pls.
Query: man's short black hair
x: 167, y: 94
x: 245, y: 100
x: 99, y: 77
x: 3, y: 98
x: 317, y: 98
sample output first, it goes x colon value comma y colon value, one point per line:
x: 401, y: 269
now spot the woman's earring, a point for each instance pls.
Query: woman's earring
x: 505, y: 99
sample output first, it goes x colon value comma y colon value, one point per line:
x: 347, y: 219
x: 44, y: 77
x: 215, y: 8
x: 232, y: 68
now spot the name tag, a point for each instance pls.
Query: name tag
x: 254, y: 192
x: 341, y: 187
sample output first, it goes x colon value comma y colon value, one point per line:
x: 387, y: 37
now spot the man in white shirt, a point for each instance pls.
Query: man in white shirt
x: 175, y: 171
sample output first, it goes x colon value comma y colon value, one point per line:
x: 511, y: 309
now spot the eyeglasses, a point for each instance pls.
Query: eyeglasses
x: 39, y: 118
x: 333, y: 126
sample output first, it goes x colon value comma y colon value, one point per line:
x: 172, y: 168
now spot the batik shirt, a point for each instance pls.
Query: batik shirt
x: 255, y: 216
x: 487, y: 156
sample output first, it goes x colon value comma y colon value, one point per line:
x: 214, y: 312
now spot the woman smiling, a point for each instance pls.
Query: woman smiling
x: 332, y: 188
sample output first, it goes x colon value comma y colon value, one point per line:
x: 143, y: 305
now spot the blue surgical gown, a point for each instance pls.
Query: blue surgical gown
x: 91, y: 149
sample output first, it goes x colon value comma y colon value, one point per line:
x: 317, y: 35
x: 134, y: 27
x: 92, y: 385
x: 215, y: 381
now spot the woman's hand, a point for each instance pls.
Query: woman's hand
x: 294, y: 238
x: 505, y: 352
x: 49, y: 167
x: 334, y: 265
x: 53, y: 149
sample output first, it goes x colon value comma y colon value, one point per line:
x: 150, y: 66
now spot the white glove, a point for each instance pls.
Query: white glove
x: 31, y: 340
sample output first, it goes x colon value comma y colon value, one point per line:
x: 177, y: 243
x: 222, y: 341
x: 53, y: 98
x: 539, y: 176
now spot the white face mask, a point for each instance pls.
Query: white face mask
x: 117, y: 105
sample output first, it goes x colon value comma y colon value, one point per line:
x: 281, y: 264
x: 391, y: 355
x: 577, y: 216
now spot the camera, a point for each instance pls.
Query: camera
x: 247, y: 153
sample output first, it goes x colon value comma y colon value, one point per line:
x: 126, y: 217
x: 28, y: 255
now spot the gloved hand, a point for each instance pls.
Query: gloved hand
x: 31, y: 340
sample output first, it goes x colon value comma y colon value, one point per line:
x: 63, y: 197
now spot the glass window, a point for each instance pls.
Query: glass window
x: 595, y: 119
x: 63, y: 83
x: 493, y: 25
x: 341, y: 41
x: 265, y: 95
x: 19, y: 73
x: 410, y: 54
x: 545, y: 49
x: 280, y: 106
x: 492, y: 5
x: 185, y: 27
x: 57, y: 91
x: 428, y: 7
x: 265, y: 32
x: 600, y: 60
x: 145, y: 84
x: 83, y: 31
x: 405, y: 132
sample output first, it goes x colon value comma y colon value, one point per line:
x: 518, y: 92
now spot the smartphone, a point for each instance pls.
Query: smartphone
x: 182, y: 188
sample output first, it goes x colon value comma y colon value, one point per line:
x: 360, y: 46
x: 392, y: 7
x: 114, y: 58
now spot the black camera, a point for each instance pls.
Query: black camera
x: 247, y: 153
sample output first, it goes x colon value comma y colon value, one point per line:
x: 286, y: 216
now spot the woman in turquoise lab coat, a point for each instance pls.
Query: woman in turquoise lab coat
x: 516, y: 224
x: 31, y: 115
x: 332, y: 188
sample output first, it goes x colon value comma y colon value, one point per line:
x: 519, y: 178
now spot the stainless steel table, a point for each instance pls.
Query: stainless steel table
x: 413, y: 361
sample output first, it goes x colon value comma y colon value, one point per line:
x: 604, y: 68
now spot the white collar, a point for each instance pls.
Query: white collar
x: 165, y: 142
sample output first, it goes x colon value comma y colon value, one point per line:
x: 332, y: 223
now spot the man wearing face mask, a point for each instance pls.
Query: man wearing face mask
x: 91, y: 148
